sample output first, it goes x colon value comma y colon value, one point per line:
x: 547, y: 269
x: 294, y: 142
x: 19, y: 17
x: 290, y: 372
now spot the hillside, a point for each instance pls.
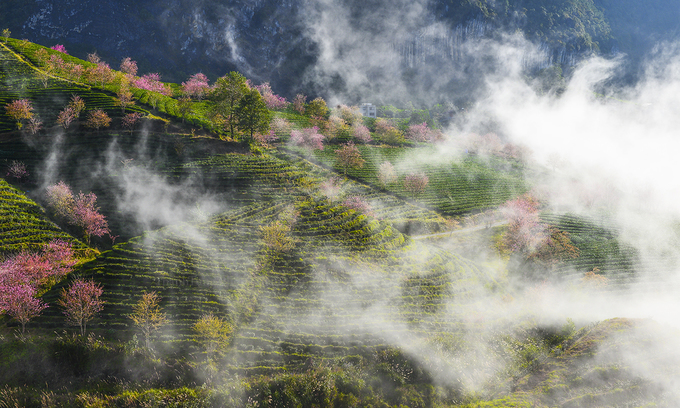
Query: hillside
x: 268, y: 39
x: 330, y: 286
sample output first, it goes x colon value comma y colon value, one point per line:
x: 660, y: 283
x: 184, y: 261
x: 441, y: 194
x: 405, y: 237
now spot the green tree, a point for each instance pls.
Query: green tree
x: 252, y: 114
x: 225, y: 97
x: 317, y: 109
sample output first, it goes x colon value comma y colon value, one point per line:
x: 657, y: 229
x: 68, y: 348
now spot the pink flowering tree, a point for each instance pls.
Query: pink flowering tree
x: 73, y: 71
x: 272, y: 100
x: 55, y: 64
x: 19, y: 110
x: 358, y: 204
x: 81, y: 302
x: 17, y: 170
x: 60, y: 199
x: 60, y: 48
x: 299, y: 103
x: 66, y: 117
x: 152, y: 82
x: 34, y: 125
x: 130, y: 120
x: 415, y: 183
x: 331, y: 189
x: 361, y: 133
x: 281, y: 126
x: 525, y: 231
x: 77, y: 103
x: 539, y: 245
x: 21, y: 304
x: 39, y: 270
x: 88, y: 217
x: 93, y: 58
x: 349, y: 157
x: 196, y: 87
x: 309, y: 138
x: 266, y: 138
x: 386, y: 174
x: 97, y: 119
x: 418, y: 133
x: 128, y: 66
x: 101, y: 73
x: 23, y: 275
x: 79, y: 210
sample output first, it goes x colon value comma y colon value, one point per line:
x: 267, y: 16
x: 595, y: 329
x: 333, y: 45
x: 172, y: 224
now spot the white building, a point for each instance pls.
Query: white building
x: 368, y: 109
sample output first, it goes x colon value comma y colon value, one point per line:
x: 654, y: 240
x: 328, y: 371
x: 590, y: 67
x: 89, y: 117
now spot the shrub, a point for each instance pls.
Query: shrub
x: 17, y: 170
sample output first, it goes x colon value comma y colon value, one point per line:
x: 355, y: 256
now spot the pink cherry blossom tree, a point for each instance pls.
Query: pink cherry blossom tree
x: 299, y: 103
x: 60, y: 199
x: 152, y: 82
x: 281, y: 126
x: 196, y: 87
x: 81, y: 302
x: 88, y: 217
x: 266, y: 138
x: 93, y: 58
x: 418, y: 133
x: 17, y: 170
x: 23, y: 275
x: 79, y: 210
x: 130, y: 120
x: 358, y: 204
x: 361, y: 133
x: 40, y: 269
x: 272, y: 100
x: 128, y: 66
x: 60, y: 48
x: 349, y: 157
x: 386, y: 174
x: 308, y: 137
x: 19, y: 110
x: 34, y: 125
x: 21, y: 304
x: 525, y: 231
x: 66, y: 117
x: 415, y: 183
x: 101, y: 73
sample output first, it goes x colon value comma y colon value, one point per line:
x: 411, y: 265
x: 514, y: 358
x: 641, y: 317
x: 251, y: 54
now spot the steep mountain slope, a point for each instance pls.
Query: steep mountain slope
x: 274, y: 40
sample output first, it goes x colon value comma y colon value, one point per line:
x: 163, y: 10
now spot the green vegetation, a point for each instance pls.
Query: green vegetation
x: 310, y: 281
x: 25, y: 225
x: 454, y: 187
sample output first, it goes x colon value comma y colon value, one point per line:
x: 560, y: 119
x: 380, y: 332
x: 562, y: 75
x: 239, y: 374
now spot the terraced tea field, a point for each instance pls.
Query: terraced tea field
x: 254, y: 178
x: 351, y: 285
x: 599, y: 247
x: 455, y: 187
x: 24, y: 225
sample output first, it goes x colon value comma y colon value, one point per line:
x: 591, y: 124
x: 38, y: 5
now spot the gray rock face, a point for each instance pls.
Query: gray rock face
x: 347, y: 48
